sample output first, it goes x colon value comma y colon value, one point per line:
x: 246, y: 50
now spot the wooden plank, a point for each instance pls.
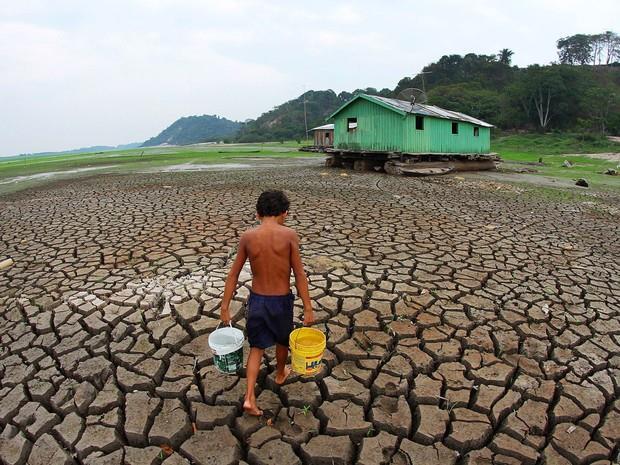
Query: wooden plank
x: 424, y: 171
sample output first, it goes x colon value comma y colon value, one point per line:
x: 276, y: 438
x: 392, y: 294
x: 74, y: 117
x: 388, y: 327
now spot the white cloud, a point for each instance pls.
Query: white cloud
x: 16, y: 9
x: 33, y: 53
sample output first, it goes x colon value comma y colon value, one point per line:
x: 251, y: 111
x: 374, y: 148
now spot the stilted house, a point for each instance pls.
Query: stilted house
x: 376, y: 130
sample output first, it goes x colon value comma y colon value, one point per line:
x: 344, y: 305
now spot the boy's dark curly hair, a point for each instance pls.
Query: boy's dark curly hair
x: 272, y: 203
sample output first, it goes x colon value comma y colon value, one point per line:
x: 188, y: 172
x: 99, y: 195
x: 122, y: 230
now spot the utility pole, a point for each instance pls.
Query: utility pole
x: 305, y: 116
x: 422, y: 73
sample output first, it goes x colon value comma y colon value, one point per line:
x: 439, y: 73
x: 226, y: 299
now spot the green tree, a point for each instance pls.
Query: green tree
x: 505, y: 56
x: 610, y: 46
x: 551, y: 95
x: 596, y: 49
x: 576, y: 49
x: 600, y: 104
x: 469, y: 98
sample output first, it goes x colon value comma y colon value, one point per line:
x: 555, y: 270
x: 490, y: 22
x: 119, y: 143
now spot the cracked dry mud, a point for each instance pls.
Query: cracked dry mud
x: 465, y: 325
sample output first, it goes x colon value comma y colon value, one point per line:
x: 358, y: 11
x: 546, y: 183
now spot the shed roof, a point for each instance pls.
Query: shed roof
x: 324, y: 127
x: 403, y: 107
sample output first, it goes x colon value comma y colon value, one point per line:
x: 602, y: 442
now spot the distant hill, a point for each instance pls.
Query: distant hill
x: 286, y: 121
x: 194, y: 130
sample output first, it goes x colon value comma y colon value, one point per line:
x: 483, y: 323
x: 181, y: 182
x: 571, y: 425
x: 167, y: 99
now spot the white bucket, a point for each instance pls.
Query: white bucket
x: 227, y: 347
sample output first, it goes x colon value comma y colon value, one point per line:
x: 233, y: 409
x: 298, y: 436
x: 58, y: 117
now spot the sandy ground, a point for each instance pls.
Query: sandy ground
x: 50, y: 175
x: 602, y: 156
x: 467, y: 322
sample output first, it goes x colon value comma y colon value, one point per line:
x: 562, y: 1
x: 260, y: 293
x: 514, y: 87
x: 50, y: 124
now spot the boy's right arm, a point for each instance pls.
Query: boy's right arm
x: 301, y: 281
x: 231, y: 280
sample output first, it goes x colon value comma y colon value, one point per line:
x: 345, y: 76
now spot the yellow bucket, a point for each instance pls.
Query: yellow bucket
x: 307, y: 346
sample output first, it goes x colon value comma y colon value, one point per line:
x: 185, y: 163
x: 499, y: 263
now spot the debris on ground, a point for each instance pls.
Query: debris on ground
x: 581, y: 182
x: 7, y: 263
x: 611, y: 172
x: 166, y: 310
x: 567, y: 164
x: 496, y: 186
x: 322, y: 263
x: 166, y: 450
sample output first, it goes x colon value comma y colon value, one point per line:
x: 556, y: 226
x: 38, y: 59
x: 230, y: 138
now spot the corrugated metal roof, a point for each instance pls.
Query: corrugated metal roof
x: 324, y: 127
x: 430, y: 110
x: 402, y: 106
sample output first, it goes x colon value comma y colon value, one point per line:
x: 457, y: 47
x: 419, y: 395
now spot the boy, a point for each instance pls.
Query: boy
x: 273, y: 250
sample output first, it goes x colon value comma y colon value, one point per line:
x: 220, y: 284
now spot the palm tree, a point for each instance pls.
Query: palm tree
x: 505, y: 56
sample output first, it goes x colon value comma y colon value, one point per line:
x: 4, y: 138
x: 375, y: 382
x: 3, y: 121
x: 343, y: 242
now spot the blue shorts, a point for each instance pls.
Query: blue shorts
x: 269, y: 319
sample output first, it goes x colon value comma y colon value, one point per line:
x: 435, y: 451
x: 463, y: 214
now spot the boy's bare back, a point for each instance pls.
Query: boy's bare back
x: 270, y: 248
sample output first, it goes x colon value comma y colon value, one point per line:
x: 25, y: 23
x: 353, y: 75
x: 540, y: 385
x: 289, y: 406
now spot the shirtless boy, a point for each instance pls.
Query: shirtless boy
x: 273, y: 250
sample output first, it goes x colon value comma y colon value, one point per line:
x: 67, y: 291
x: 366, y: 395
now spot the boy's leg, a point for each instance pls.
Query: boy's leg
x: 254, y: 361
x: 282, y: 371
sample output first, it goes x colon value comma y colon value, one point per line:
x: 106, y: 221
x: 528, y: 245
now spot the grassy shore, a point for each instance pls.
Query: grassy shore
x: 17, y: 173
x: 148, y: 157
x: 526, y: 151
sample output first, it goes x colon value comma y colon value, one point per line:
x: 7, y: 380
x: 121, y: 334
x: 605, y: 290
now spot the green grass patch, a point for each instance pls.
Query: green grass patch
x: 553, y: 143
x: 526, y: 150
x: 148, y: 157
x: 35, y: 169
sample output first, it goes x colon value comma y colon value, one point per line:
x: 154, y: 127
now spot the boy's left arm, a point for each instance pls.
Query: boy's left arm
x: 301, y: 280
x: 231, y: 279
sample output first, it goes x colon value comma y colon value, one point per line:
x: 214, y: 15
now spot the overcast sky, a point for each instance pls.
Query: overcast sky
x: 76, y: 73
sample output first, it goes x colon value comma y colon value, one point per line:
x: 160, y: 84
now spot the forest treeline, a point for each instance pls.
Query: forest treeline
x: 579, y: 93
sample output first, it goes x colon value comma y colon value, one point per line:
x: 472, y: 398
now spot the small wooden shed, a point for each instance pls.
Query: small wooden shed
x: 323, y: 136
x: 377, y: 124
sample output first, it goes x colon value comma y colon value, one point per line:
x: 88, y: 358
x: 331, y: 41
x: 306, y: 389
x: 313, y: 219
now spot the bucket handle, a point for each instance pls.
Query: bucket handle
x: 230, y: 325
x: 298, y: 326
x: 295, y: 341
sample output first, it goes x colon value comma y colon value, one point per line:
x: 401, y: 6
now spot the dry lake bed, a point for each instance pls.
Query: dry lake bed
x: 469, y: 321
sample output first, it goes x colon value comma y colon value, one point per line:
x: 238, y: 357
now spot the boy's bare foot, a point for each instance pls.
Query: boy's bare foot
x: 281, y: 378
x: 251, y: 409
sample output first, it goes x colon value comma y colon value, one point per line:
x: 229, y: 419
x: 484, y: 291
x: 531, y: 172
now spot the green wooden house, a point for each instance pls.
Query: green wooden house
x: 368, y: 123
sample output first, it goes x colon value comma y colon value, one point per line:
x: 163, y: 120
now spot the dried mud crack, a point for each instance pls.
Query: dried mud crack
x: 465, y: 325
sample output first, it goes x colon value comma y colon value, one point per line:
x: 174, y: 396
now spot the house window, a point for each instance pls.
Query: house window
x: 476, y: 131
x: 455, y: 128
x: 351, y: 124
x: 419, y: 122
